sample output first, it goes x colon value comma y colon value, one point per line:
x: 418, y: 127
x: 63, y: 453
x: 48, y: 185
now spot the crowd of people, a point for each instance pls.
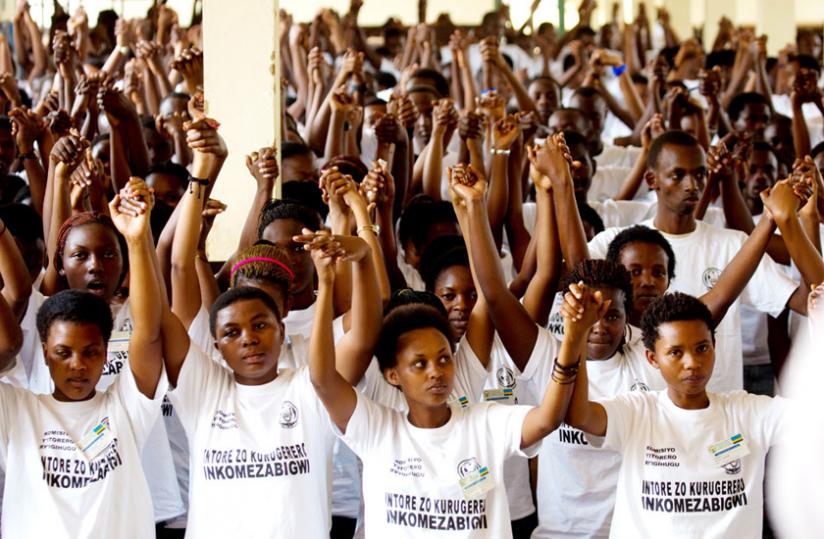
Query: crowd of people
x: 520, y: 282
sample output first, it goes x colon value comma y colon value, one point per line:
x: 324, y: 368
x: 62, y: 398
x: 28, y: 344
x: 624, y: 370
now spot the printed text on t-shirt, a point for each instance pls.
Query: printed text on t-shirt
x: 435, y: 513
x: 242, y: 463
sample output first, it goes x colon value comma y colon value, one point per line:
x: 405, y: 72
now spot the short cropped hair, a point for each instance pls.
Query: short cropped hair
x: 672, y: 138
x: 404, y: 319
x: 75, y: 306
x: 234, y: 295
x: 440, y: 83
x: 673, y: 307
x: 601, y: 273
x: 740, y: 101
x: 641, y: 234
x: 444, y: 252
x: 418, y: 217
x: 288, y: 209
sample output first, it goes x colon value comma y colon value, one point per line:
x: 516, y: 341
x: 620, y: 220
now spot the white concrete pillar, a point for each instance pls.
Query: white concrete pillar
x: 713, y: 11
x: 242, y: 93
x: 777, y: 20
x: 679, y: 11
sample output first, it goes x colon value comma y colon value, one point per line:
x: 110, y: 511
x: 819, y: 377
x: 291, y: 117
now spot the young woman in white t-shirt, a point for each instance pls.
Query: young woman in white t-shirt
x: 692, y: 461
x: 259, y: 439
x: 439, y: 466
x: 73, y: 458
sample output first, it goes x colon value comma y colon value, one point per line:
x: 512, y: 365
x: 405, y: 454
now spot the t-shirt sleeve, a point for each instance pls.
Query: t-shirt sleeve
x: 509, y: 420
x: 198, y: 379
x: 141, y: 410
x: 770, y: 417
x: 10, y: 396
x: 769, y: 289
x: 199, y: 331
x: 600, y: 243
x: 619, y: 421
x: 536, y: 372
x: 470, y: 374
x: 369, y: 422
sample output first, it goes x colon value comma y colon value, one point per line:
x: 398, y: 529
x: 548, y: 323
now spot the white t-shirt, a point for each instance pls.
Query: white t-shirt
x: 576, y: 482
x: 670, y: 484
x: 261, y: 451
x: 31, y: 351
x: 700, y: 257
x: 502, y: 375
x: 411, y: 275
x: 158, y: 462
x: 612, y: 212
x: 57, y: 489
x: 411, y: 475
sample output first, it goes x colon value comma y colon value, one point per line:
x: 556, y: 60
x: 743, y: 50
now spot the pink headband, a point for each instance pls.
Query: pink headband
x: 276, y: 262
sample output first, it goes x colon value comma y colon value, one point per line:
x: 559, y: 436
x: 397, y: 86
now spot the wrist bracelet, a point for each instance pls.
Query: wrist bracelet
x: 617, y: 71
x: 496, y: 151
x: 124, y: 50
x: 27, y: 155
x: 564, y: 375
x: 199, y: 181
x: 376, y: 229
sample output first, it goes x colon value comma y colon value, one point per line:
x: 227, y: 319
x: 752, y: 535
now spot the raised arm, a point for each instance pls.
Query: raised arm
x: 28, y: 126
x: 186, y: 300
x: 583, y: 414
x: 492, y: 55
x: 514, y: 325
x: 784, y: 204
x: 263, y: 167
x: 558, y: 400
x: 14, y: 297
x: 539, y: 294
x: 505, y: 133
x: 337, y: 395
x: 552, y: 160
x: 65, y: 158
x: 738, y: 272
x: 130, y: 211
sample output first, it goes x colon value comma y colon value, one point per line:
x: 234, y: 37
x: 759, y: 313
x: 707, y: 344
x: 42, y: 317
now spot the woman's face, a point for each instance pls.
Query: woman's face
x: 92, y: 260
x: 424, y: 368
x: 647, y: 265
x: 607, y: 334
x: 75, y: 355
x: 456, y: 290
x: 249, y: 336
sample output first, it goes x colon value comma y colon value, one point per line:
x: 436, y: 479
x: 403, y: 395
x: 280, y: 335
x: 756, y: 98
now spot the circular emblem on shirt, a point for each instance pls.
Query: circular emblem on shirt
x: 639, y: 386
x: 467, y: 466
x: 710, y: 277
x: 506, y: 378
x: 733, y: 467
x: 288, y: 415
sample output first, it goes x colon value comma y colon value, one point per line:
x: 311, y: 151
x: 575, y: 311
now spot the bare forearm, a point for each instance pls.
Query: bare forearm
x: 16, y: 281
x: 738, y: 272
x: 634, y: 179
x: 803, y: 252
x: 801, y: 135
x: 433, y: 166
x: 570, y: 227
x: 736, y: 211
x: 186, y: 299
x: 498, y: 196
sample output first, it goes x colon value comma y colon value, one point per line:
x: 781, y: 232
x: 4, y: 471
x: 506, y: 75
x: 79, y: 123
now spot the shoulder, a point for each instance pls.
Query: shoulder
x: 715, y: 233
x: 599, y: 244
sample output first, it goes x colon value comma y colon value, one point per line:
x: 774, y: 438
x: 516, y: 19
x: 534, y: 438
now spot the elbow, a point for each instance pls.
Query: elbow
x: 12, y: 347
